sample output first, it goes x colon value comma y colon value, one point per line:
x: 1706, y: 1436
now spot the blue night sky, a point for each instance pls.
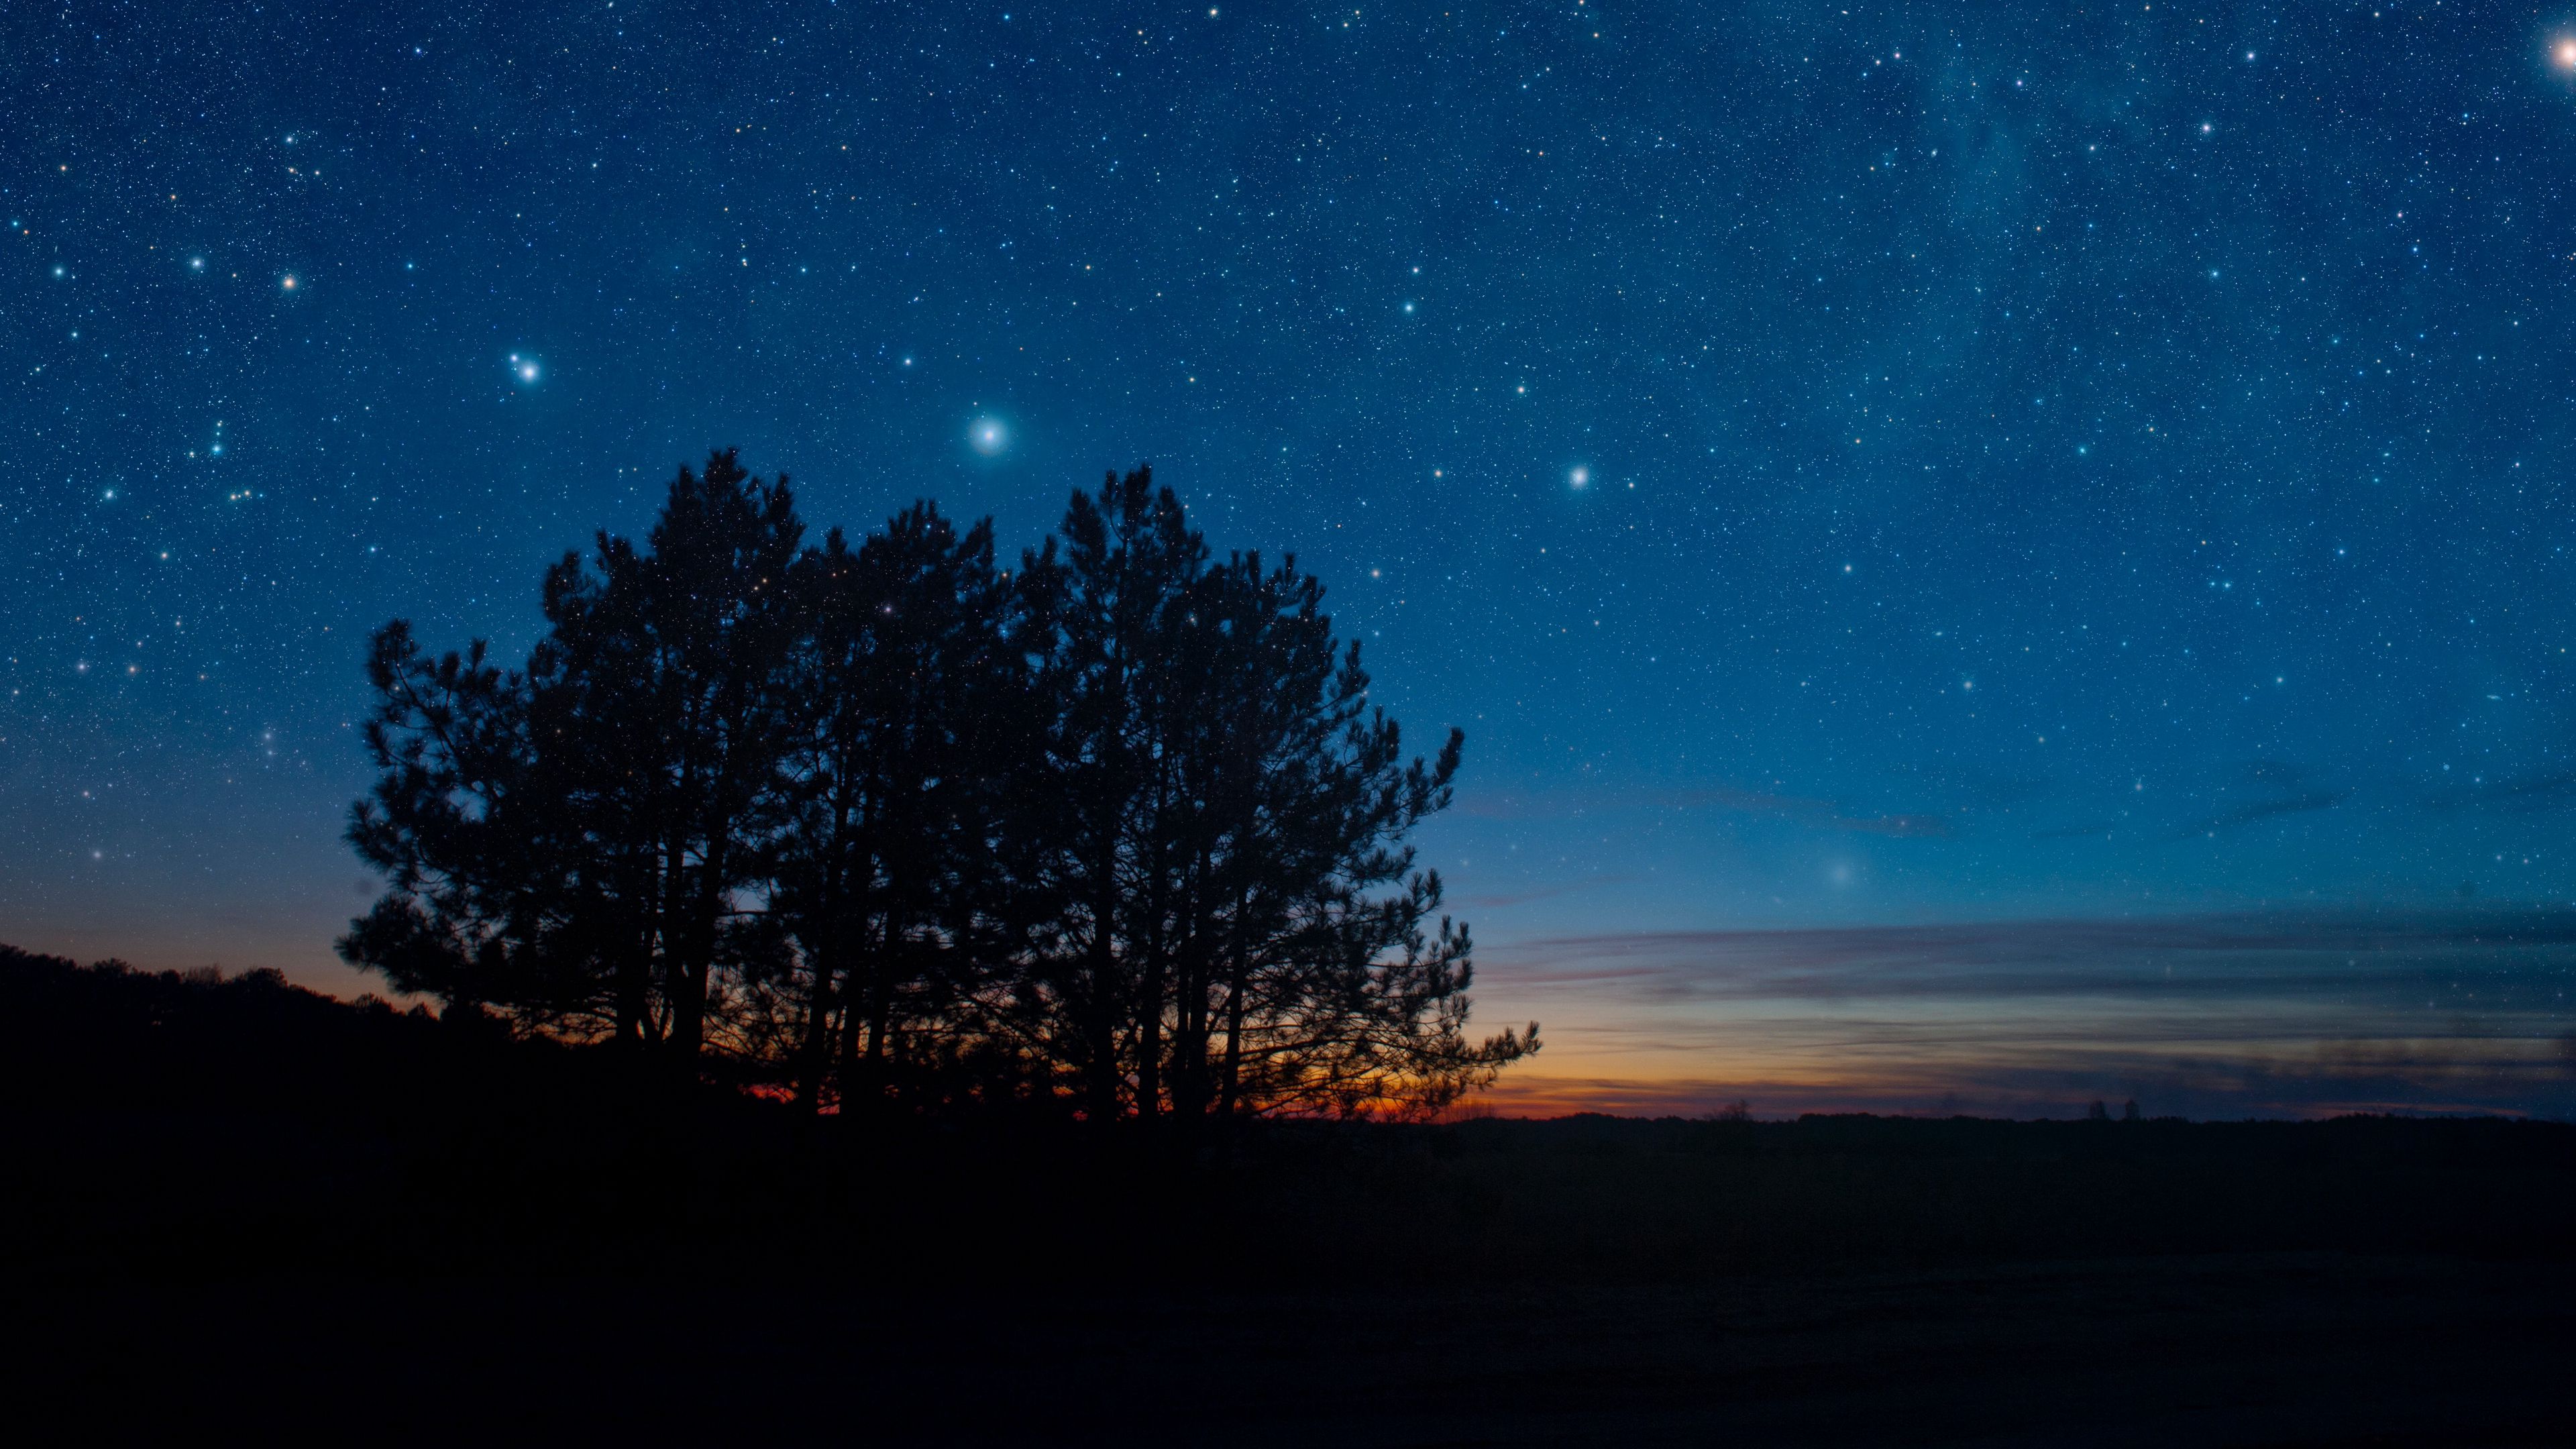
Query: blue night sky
x: 1870, y: 467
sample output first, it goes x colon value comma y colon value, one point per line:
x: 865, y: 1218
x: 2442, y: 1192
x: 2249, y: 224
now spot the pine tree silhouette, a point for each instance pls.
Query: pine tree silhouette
x: 1119, y: 834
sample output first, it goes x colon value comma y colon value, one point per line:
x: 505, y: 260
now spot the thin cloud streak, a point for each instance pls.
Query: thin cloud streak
x: 2076, y: 956
x: 1546, y: 893
x: 2529, y: 792
x: 1761, y: 804
x: 2304, y: 803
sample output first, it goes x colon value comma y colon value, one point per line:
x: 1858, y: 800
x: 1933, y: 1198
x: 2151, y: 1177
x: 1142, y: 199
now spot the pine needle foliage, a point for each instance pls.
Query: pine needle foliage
x: 1117, y: 834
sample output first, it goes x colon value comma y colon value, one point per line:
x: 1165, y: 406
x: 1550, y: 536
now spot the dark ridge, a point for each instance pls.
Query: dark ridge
x: 279, y: 1207
x: 215, y: 1123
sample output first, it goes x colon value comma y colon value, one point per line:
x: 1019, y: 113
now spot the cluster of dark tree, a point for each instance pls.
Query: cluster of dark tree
x: 1116, y: 833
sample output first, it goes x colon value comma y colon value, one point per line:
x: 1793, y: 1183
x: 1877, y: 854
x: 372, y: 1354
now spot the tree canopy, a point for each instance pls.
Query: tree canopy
x: 1116, y: 833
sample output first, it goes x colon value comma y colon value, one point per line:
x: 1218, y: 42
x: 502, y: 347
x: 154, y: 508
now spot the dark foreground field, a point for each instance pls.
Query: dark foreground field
x: 238, y: 1207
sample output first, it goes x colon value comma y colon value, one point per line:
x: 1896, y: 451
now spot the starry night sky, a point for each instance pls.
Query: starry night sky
x: 1842, y: 467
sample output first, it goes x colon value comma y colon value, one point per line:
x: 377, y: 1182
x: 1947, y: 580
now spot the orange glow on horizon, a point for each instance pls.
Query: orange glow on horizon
x: 2221, y: 1016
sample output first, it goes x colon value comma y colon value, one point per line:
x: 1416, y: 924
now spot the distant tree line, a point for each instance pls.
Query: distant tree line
x: 1114, y: 834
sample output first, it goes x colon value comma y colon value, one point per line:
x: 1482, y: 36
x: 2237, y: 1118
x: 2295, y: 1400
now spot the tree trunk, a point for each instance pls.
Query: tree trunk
x: 1190, y: 997
x: 1100, y: 1027
x: 634, y: 989
x: 852, y: 1021
x: 814, y: 1053
x: 1238, y: 976
x: 690, y: 969
x: 1230, y: 1090
x: 1149, y: 1007
x: 881, y: 1011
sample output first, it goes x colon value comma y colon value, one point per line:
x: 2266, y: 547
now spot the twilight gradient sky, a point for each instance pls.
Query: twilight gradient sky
x: 1853, y: 472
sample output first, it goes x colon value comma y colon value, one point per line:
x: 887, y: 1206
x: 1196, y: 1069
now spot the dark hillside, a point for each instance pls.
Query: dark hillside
x: 285, y: 1208
x: 148, y: 1111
